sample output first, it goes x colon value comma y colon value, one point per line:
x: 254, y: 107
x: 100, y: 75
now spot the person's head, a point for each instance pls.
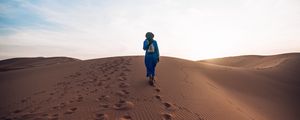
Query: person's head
x: 149, y: 35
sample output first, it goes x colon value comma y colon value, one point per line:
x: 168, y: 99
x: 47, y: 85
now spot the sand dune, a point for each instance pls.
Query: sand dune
x: 256, y: 61
x: 23, y: 63
x: 115, y: 88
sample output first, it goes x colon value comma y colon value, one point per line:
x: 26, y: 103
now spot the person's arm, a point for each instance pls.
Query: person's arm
x: 145, y: 46
x: 157, y: 51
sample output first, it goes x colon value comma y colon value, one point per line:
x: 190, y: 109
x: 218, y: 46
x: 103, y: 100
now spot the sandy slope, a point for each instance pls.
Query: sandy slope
x: 269, y: 85
x: 115, y: 88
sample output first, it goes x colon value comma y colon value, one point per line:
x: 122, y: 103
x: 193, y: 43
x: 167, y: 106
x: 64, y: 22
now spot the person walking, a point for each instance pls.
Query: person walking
x: 151, y: 56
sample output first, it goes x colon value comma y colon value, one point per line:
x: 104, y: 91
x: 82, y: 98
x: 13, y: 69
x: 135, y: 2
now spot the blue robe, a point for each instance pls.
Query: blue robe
x: 151, y: 59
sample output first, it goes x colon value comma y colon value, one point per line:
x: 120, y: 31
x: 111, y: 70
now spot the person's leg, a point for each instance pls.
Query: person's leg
x: 150, y: 62
x: 148, y: 66
x: 153, y: 69
x: 151, y: 73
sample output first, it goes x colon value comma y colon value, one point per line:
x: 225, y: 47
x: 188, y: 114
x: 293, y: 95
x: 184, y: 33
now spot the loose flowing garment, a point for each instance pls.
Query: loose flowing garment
x: 151, y: 57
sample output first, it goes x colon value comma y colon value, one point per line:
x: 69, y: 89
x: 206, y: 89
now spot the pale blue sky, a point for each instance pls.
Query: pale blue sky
x: 190, y: 29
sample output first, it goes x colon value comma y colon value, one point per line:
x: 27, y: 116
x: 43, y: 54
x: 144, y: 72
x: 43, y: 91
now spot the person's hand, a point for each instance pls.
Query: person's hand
x: 149, y: 42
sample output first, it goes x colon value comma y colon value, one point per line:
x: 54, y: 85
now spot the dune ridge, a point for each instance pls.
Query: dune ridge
x: 115, y: 88
x: 23, y: 63
x: 257, y: 61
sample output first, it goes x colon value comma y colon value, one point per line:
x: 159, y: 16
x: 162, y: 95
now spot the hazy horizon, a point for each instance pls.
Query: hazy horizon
x: 188, y: 29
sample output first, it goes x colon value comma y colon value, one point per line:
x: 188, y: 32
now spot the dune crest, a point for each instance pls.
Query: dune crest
x: 258, y: 62
x: 23, y: 63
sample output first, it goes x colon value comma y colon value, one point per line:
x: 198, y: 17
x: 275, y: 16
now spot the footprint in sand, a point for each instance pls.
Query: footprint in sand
x: 121, y: 78
x: 120, y: 93
x: 123, y: 105
x: 169, y: 106
x: 101, y: 116
x: 127, y: 70
x: 103, y: 97
x: 157, y: 89
x: 123, y: 74
x: 27, y: 116
x: 70, y: 111
x: 123, y: 85
x: 17, y: 111
x: 167, y: 116
x: 127, y: 62
x: 77, y: 74
x: 52, y: 117
x: 79, y: 99
x: 39, y: 92
x: 126, y: 92
x: 107, y: 86
x: 93, y: 91
x: 92, y: 80
x: 62, y: 95
x: 60, y: 106
x: 104, y: 106
x: 71, y: 101
x: 56, y: 107
x: 49, y: 99
x: 126, y: 117
x: 123, y: 67
x: 158, y: 97
x: 51, y: 93
x: 100, y: 83
x: 116, y: 70
x: 25, y: 99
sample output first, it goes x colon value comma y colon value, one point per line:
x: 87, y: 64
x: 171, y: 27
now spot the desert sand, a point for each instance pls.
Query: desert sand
x: 115, y: 88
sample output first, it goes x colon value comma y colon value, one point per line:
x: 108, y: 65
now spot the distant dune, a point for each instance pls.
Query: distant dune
x: 256, y: 61
x: 232, y: 88
x: 22, y: 63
